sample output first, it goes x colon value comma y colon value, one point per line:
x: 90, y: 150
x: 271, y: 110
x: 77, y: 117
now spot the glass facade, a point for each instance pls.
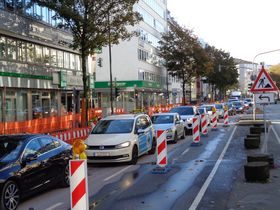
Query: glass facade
x: 22, y: 51
x: 150, y: 20
x: 34, y: 10
x: 156, y: 7
x: 149, y: 38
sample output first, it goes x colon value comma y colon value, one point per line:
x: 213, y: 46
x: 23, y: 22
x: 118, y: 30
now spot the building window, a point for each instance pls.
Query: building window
x: 46, y: 56
x: 21, y: 51
x: 60, y: 58
x: 11, y: 49
x: 66, y: 60
x: 2, y: 47
x: 30, y: 52
x: 53, y: 58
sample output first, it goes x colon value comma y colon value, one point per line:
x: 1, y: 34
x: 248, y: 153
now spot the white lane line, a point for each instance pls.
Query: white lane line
x: 117, y: 173
x: 188, y: 149
x: 275, y: 133
x: 54, y: 206
x: 211, y: 175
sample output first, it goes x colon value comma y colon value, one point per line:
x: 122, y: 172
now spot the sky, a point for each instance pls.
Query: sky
x: 243, y: 28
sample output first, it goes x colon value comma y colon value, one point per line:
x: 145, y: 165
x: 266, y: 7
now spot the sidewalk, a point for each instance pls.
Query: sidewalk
x: 259, y: 196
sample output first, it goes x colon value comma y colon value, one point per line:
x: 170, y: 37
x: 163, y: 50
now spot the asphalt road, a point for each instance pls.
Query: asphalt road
x: 201, y: 177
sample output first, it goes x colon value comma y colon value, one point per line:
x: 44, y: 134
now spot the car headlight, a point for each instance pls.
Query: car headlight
x: 169, y: 130
x: 189, y: 119
x: 123, y: 145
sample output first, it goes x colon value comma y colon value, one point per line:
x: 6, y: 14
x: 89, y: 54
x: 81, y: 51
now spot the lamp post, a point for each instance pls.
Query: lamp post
x: 110, y: 66
x: 254, y: 101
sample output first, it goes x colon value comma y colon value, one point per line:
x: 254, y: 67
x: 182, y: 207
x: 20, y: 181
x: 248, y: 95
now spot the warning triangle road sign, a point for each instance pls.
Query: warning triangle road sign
x: 263, y: 83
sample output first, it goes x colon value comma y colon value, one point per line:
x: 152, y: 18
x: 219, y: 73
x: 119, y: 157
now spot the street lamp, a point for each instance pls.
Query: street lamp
x: 262, y: 53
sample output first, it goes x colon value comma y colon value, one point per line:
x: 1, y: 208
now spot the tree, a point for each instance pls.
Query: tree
x: 184, y: 57
x: 224, y: 74
x: 274, y: 72
x: 94, y: 24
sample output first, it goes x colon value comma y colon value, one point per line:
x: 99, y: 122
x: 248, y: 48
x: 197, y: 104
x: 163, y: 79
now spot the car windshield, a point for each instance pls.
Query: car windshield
x: 229, y: 105
x: 113, y: 126
x: 183, y: 110
x: 219, y: 106
x: 237, y: 103
x: 201, y: 110
x: 9, y: 150
x: 162, y: 119
x: 208, y: 108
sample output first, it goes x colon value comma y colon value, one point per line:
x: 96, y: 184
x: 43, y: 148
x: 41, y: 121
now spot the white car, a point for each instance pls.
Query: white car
x: 121, y: 138
x: 187, y: 113
x: 172, y: 123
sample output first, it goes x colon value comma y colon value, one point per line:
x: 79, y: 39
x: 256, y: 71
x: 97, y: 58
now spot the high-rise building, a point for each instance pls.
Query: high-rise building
x: 137, y: 69
x: 39, y: 74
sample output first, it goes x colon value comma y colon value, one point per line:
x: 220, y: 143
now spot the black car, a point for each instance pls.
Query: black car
x: 29, y: 163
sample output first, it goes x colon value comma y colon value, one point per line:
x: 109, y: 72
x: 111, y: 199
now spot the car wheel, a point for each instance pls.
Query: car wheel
x: 66, y: 180
x: 175, y: 140
x: 154, y: 147
x: 183, y: 135
x: 10, y: 196
x: 134, y: 155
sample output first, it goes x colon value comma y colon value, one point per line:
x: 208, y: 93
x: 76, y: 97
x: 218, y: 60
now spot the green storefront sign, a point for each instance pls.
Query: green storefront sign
x: 63, y: 79
x: 91, y: 81
x: 22, y: 75
x: 128, y: 84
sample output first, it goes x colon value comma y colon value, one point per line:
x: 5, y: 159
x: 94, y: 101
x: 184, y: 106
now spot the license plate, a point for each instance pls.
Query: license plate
x: 101, y: 154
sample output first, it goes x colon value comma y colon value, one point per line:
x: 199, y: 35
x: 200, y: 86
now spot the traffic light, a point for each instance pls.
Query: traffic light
x: 117, y: 92
x: 99, y: 62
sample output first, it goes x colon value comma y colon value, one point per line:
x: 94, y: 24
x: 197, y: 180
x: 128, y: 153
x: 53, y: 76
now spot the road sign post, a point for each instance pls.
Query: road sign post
x: 262, y: 88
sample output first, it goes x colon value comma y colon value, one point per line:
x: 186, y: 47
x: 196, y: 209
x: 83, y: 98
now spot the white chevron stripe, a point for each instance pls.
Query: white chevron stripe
x: 78, y: 176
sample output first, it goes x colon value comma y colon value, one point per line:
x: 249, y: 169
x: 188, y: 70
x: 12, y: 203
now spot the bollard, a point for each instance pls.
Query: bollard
x: 195, y: 131
x: 204, y: 128
x: 78, y: 185
x: 161, y: 153
x: 226, y: 118
x: 214, y: 120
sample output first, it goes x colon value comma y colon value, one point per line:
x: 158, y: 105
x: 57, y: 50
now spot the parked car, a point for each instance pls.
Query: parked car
x: 231, y: 109
x: 172, y: 123
x: 239, y: 106
x: 209, y: 108
x: 121, y: 138
x: 187, y: 113
x: 29, y: 163
x: 220, y: 110
x: 203, y: 110
x: 249, y: 101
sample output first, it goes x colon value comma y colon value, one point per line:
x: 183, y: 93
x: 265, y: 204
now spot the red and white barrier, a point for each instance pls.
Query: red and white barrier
x: 195, y: 129
x: 226, y: 117
x: 78, y: 185
x: 161, y: 148
x: 214, y: 120
x: 204, y: 125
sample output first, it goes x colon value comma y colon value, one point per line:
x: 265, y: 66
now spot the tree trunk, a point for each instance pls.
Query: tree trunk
x: 190, y: 93
x: 184, y: 93
x: 85, y: 98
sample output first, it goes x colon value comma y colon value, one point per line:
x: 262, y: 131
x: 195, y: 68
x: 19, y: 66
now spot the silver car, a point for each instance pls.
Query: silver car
x: 172, y: 123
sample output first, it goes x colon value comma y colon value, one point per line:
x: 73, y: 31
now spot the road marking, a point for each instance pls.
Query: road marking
x: 54, y: 206
x: 117, y: 173
x: 188, y: 149
x: 211, y: 175
x: 275, y: 133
